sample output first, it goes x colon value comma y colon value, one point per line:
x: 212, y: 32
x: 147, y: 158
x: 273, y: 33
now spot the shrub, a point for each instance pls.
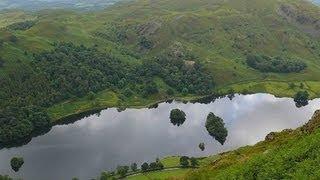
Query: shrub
x: 184, y: 161
x: 144, y: 167
x: 193, y: 162
x: 275, y: 64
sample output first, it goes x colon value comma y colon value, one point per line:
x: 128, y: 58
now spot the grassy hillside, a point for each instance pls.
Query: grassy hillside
x: 170, y: 48
x: 290, y: 154
x: 220, y: 33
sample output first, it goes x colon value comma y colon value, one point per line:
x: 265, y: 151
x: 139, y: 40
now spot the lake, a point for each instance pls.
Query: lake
x: 102, y: 141
x: 316, y: 1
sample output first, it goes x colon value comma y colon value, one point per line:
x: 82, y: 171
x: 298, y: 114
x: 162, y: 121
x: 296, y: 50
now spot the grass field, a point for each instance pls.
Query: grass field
x: 176, y: 173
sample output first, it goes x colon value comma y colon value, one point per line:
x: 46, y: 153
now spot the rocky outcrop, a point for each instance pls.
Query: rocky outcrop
x: 300, y: 19
x: 309, y: 127
x: 313, y: 124
x: 270, y: 136
x: 149, y: 28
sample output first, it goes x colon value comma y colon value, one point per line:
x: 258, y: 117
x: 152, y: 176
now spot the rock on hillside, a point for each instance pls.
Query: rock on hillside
x: 302, y: 20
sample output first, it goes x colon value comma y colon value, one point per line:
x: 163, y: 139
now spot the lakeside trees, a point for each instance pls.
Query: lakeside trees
x: 5, y: 177
x: 20, y: 123
x: 193, y: 162
x: 215, y: 127
x: 153, y: 166
x: 69, y: 71
x: 301, y: 98
x: 144, y: 167
x: 134, y: 167
x: 122, y: 170
x: 186, y: 162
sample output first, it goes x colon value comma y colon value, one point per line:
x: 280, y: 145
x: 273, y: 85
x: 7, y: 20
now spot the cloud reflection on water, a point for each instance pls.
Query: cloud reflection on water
x: 97, y: 143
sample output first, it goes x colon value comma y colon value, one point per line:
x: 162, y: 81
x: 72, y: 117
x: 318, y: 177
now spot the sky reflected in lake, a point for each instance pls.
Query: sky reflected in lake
x: 101, y: 142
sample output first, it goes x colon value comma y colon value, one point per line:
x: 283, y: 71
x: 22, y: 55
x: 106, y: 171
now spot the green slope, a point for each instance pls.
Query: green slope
x: 219, y: 34
x: 290, y: 154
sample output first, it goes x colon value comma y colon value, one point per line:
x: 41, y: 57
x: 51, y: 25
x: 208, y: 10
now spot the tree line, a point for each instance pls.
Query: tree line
x: 265, y: 63
x: 71, y: 71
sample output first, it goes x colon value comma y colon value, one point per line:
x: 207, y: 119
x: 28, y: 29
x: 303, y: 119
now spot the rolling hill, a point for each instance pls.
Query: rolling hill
x: 140, y: 52
x: 290, y: 154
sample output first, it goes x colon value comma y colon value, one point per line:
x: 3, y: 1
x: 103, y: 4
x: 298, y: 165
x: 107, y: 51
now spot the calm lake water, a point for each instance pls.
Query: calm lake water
x: 316, y: 1
x: 101, y: 142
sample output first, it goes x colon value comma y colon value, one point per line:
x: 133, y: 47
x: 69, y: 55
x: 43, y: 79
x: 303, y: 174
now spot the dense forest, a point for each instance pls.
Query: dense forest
x: 275, y: 64
x: 70, y: 71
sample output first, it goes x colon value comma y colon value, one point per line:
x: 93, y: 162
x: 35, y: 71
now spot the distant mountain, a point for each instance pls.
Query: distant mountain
x: 55, y: 4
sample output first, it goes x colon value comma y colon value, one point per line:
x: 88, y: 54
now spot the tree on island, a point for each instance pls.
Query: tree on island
x: 16, y: 163
x: 202, y: 146
x: 216, y: 129
x: 301, y: 98
x: 184, y: 161
x: 177, y: 117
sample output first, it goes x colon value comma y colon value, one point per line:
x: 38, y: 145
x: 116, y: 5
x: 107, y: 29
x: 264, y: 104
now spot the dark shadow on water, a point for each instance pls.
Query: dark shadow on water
x: 301, y: 104
x: 26, y: 140
x: 76, y: 117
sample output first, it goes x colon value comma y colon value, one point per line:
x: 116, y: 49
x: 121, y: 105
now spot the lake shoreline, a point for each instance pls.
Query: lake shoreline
x: 110, y: 134
x: 219, y: 92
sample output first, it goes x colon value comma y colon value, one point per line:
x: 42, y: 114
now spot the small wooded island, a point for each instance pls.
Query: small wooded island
x: 177, y: 117
x: 16, y: 163
x: 215, y: 127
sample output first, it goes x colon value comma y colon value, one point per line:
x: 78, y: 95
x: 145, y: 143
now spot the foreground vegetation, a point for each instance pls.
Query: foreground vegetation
x: 290, y: 154
x: 161, y: 168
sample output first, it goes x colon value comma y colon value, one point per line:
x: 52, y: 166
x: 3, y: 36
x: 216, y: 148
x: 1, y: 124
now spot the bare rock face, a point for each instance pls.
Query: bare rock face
x: 149, y: 28
x: 189, y: 64
x: 300, y: 19
x: 177, y: 50
x: 287, y: 131
x: 270, y: 136
x: 309, y: 127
